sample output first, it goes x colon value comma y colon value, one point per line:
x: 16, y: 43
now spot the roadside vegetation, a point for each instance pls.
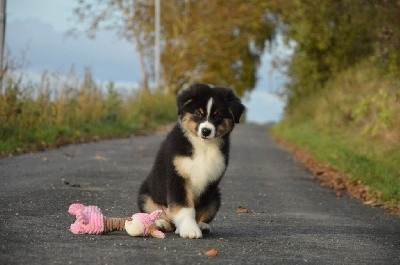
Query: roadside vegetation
x: 343, y: 100
x: 56, y: 111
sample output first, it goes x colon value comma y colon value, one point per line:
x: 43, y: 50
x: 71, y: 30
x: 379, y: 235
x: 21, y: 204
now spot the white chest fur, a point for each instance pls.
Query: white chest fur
x: 206, y: 165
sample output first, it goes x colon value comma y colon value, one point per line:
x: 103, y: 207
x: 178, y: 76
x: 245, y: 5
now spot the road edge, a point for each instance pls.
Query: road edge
x: 340, y: 182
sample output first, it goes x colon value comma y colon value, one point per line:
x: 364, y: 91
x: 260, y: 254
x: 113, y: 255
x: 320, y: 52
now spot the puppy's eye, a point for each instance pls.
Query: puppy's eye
x: 219, y: 118
x: 197, y: 114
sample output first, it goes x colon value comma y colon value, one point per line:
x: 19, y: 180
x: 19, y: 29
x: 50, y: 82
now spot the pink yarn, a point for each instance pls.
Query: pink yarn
x: 89, y: 219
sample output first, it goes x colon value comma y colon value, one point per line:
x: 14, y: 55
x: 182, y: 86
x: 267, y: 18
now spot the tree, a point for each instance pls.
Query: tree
x: 330, y: 36
x: 386, y: 27
x: 133, y: 20
x: 212, y: 41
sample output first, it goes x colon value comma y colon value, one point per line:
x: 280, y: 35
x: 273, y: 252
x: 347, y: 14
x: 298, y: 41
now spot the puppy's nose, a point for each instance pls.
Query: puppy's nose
x: 205, y: 132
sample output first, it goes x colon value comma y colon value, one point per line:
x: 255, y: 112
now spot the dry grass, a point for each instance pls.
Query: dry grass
x: 364, y: 101
x: 56, y: 111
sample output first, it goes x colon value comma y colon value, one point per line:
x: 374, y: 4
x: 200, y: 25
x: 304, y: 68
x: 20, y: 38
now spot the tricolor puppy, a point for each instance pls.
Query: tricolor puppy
x: 191, y: 161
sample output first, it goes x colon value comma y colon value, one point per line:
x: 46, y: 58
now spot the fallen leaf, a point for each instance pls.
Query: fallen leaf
x: 100, y: 158
x: 212, y: 252
x: 241, y: 209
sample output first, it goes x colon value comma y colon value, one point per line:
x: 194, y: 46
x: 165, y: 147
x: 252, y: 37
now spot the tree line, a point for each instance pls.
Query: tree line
x: 217, y: 41
x: 211, y: 41
x: 332, y: 35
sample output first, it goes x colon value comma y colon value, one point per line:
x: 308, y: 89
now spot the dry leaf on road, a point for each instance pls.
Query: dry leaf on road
x: 241, y: 209
x: 212, y: 252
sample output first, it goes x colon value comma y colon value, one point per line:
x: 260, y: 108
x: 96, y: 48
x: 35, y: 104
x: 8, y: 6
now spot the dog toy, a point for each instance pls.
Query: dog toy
x: 90, y: 220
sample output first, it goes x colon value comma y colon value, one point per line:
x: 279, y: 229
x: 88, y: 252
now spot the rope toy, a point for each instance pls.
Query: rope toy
x: 90, y: 220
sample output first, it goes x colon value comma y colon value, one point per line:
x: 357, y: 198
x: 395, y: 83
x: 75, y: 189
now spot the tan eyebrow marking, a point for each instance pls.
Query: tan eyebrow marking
x: 217, y: 111
x: 187, y: 102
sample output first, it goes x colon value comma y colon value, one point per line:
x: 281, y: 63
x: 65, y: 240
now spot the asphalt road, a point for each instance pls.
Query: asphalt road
x: 290, y: 219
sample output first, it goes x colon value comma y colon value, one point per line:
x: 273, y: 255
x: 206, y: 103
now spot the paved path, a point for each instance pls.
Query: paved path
x: 291, y: 220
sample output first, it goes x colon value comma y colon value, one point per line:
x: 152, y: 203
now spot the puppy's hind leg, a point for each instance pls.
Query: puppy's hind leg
x: 164, y: 223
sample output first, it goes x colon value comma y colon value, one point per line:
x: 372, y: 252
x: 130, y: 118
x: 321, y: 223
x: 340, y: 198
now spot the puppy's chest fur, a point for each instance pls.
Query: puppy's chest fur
x: 206, y: 165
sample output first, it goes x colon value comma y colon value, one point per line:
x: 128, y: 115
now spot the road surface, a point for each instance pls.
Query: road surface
x: 290, y: 219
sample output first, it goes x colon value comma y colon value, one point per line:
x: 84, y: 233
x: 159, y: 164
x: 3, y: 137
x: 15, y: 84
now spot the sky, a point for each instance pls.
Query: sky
x: 36, y: 30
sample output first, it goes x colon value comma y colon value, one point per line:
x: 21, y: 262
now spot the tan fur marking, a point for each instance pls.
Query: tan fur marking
x: 187, y: 102
x: 174, y: 209
x: 207, y: 214
x: 150, y: 206
x: 217, y: 111
x: 225, y: 127
x: 188, y: 124
x: 189, y: 196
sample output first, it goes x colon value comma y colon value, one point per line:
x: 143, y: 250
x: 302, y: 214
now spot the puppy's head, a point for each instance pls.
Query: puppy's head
x: 208, y: 112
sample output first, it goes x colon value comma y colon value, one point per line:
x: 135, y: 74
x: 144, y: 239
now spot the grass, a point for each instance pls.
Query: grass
x: 379, y: 171
x: 353, y: 125
x: 54, y: 112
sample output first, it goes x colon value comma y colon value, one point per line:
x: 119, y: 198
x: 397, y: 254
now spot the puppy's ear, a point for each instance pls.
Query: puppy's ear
x: 185, y: 97
x: 189, y: 94
x: 235, y: 105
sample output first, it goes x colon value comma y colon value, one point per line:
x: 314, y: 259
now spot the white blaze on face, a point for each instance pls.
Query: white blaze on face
x: 207, y: 129
x: 209, y: 105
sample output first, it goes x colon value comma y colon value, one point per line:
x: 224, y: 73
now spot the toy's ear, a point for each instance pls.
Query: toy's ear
x: 156, y: 214
x: 155, y: 232
x: 235, y: 106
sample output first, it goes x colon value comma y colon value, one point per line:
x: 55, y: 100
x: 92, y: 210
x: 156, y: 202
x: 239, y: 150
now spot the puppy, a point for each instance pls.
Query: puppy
x: 191, y: 161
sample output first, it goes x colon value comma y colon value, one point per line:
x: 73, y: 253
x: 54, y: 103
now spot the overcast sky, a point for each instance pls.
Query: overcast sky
x: 37, y: 29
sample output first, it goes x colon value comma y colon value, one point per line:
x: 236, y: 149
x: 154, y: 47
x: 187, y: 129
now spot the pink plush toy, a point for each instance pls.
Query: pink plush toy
x: 143, y: 224
x: 90, y: 220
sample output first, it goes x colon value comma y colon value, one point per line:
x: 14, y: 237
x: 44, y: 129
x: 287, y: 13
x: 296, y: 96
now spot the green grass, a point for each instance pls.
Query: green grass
x: 359, y: 158
x: 352, y: 124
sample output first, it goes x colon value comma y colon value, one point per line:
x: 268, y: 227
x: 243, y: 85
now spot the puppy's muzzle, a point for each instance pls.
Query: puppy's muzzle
x: 205, y: 132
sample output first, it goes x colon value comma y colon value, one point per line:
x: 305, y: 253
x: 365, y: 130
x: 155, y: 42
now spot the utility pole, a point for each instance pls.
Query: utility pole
x: 2, y: 37
x: 157, y: 46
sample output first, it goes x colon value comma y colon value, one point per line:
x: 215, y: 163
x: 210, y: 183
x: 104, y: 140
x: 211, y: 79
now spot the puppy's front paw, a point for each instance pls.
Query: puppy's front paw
x: 189, y: 231
x: 205, y: 228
